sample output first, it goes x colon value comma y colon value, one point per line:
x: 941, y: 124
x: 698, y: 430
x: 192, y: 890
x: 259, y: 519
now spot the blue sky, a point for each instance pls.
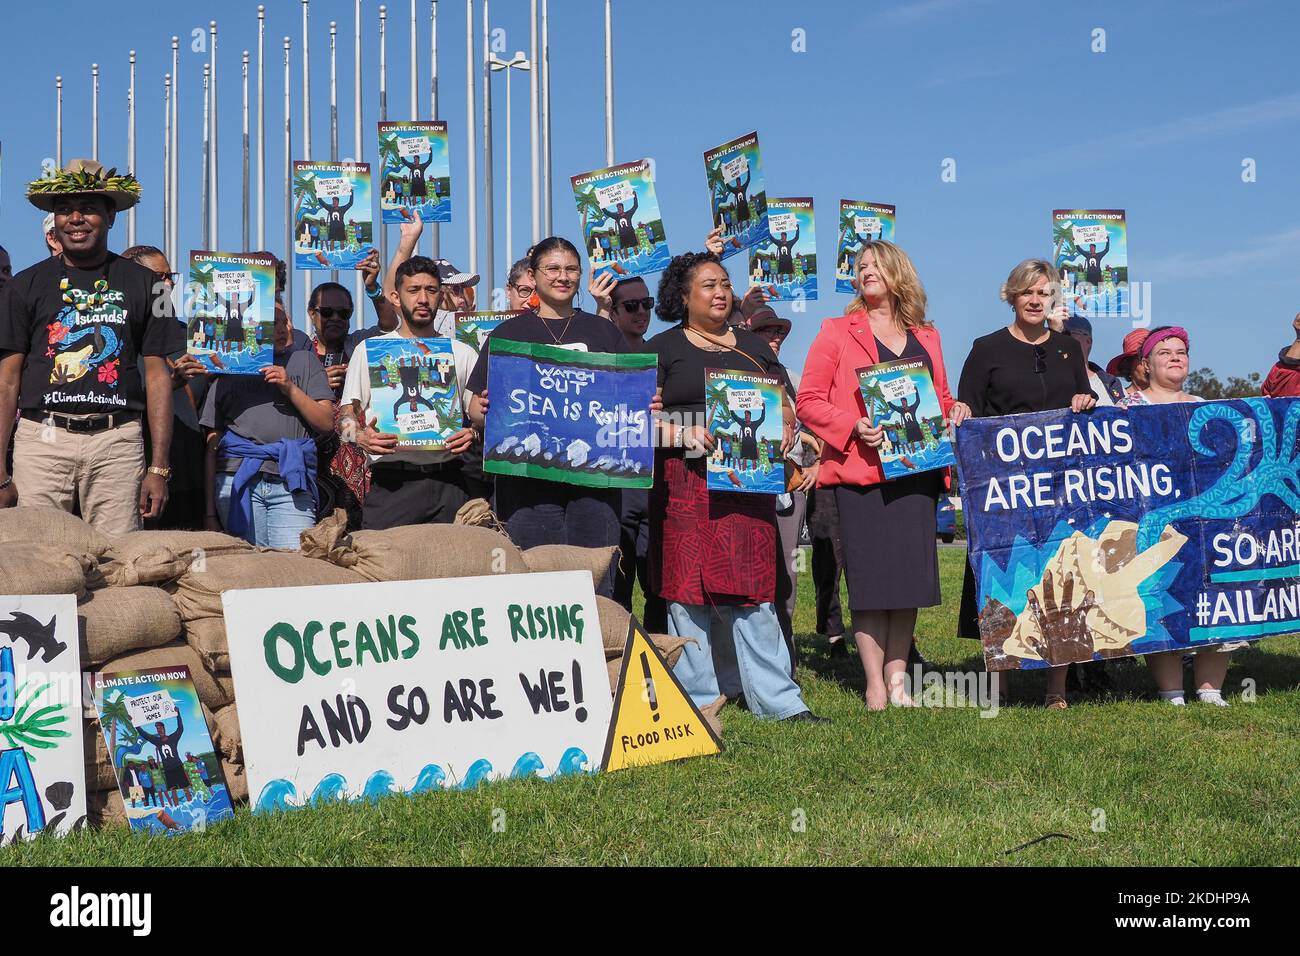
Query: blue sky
x: 1159, y: 124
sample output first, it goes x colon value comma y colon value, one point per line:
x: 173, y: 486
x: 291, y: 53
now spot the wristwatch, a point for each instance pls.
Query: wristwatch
x: 163, y: 473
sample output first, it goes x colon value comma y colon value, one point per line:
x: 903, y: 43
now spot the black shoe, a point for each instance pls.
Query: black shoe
x: 806, y: 716
x: 838, y: 648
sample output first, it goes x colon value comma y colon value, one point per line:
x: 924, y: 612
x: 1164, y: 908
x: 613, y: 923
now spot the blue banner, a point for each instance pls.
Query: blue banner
x: 564, y: 415
x: 1130, y: 531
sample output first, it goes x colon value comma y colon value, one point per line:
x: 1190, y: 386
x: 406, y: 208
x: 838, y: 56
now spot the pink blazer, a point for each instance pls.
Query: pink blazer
x: 830, y: 403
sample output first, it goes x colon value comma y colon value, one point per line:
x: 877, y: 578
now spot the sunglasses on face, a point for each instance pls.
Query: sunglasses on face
x: 328, y: 314
x: 633, y: 306
x: 169, y: 277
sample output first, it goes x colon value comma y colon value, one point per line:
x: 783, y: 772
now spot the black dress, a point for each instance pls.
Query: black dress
x: 887, y: 530
x: 1005, y: 376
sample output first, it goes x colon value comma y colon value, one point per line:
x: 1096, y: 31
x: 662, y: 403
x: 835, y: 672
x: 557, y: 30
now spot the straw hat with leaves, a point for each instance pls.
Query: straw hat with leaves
x: 84, y: 177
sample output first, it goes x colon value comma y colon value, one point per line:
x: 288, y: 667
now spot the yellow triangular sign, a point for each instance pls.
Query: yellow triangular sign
x: 654, y: 719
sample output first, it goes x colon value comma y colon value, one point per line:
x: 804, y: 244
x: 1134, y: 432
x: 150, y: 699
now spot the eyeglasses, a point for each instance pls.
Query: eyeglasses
x: 771, y: 332
x: 1040, y: 360
x: 523, y: 291
x: 554, y: 272
x: 633, y: 306
x: 326, y: 313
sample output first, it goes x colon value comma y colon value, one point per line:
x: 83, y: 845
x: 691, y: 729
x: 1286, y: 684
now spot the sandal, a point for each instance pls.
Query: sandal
x: 1055, y: 702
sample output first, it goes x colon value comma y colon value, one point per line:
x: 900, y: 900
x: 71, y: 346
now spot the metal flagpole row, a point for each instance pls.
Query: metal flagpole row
x: 173, y: 236
x: 435, y: 238
x: 359, y: 154
x: 334, y: 108
x: 130, y: 146
x: 288, y: 179
x: 306, y: 143
x: 214, y: 237
x: 261, y: 127
x: 246, y: 233
x: 383, y: 115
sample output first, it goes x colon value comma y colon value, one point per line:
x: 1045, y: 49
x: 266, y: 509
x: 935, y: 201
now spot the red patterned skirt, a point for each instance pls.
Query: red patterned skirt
x: 709, y: 547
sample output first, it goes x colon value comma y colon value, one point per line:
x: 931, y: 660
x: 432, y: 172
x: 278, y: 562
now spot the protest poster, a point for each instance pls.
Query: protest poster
x: 1131, y: 531
x: 167, y: 769
x: 900, y: 397
x: 737, y: 194
x: 413, y: 391
x: 621, y: 225
x: 42, y: 761
x: 785, y: 264
x: 230, y: 311
x: 357, y: 691
x: 414, y: 172
x: 860, y: 222
x: 654, y: 719
x: 332, y: 220
x: 744, y: 415
x: 473, y: 328
x: 563, y: 415
x: 1091, y: 256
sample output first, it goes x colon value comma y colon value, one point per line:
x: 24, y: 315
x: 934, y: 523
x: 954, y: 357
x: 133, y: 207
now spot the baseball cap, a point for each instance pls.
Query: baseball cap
x: 1077, y: 323
x: 448, y: 274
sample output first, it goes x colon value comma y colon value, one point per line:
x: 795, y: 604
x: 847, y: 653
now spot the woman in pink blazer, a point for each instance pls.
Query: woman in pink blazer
x: 887, y: 528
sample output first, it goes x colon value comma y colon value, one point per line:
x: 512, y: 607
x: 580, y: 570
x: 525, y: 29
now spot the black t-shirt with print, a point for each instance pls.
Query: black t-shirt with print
x: 682, y: 364
x: 591, y: 332
x: 85, y: 361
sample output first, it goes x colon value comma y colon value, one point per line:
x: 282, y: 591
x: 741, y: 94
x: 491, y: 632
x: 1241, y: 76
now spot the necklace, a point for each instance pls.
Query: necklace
x: 86, y: 300
x: 718, y: 345
x: 558, y: 339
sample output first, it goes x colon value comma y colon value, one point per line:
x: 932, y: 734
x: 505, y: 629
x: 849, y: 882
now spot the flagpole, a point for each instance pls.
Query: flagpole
x: 207, y: 228
x: 261, y: 126
x: 288, y: 180
x: 246, y: 236
x: 58, y: 121
x: 214, y: 240
x: 173, y: 237
x: 414, y: 111
x: 488, y: 223
x: 383, y: 115
x: 532, y: 122
x: 609, y: 84
x: 130, y: 146
x: 334, y: 108
x: 167, y: 170
x: 471, y: 121
x: 434, y: 228
x: 547, y: 186
x: 94, y: 111
x: 306, y: 134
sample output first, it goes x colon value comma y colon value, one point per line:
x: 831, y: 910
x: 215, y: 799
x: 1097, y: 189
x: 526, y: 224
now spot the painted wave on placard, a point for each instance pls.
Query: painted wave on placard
x: 281, y: 794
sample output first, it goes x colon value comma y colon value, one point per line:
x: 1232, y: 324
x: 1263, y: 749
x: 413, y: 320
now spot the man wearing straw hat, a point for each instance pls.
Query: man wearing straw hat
x: 82, y: 356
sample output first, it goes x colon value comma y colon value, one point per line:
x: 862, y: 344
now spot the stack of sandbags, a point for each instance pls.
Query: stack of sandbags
x: 48, y: 551
x: 613, y: 631
x: 600, y: 563
x: 160, y: 557
x: 118, y: 620
x: 413, y: 552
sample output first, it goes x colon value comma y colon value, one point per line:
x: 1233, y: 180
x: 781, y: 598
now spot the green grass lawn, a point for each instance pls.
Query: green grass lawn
x: 1128, y: 779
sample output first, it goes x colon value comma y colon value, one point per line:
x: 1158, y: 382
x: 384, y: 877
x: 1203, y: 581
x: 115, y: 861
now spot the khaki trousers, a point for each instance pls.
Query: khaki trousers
x: 100, y: 471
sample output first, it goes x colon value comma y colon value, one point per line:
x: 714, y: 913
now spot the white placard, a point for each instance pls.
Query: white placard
x: 408, y: 146
x: 621, y: 191
x: 744, y: 400
x: 339, y: 186
x: 1089, y: 235
x: 231, y: 282
x: 779, y: 222
x: 896, y: 389
x: 412, y: 422
x: 438, y: 684
x: 868, y: 226
x: 735, y: 168
x: 150, y: 708
x: 40, y: 673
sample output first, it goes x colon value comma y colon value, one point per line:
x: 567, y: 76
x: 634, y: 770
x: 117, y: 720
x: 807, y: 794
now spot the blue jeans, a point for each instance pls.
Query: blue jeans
x: 279, y: 515
x: 760, y: 649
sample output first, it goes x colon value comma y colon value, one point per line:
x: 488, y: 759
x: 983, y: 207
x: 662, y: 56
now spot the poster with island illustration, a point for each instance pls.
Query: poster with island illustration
x: 413, y: 391
x: 230, y: 311
x: 414, y: 172
x: 1122, y: 532
x: 1090, y: 252
x: 622, y: 228
x: 785, y: 266
x: 900, y: 397
x: 168, y: 770
x: 473, y: 328
x: 745, y: 418
x: 332, y: 220
x: 860, y: 222
x: 737, y: 193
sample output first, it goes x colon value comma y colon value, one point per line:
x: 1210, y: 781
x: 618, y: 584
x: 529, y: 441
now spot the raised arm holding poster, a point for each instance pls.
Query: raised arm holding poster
x: 415, y: 172
x: 358, y: 691
x: 332, y: 221
x: 167, y: 768
x: 230, y: 311
x: 577, y: 417
x: 413, y: 391
x: 1122, y: 532
x: 859, y: 223
x: 737, y: 193
x: 785, y: 265
x: 42, y: 763
x: 1091, y: 254
x: 473, y: 328
x: 745, y: 418
x: 900, y: 396
x: 621, y: 225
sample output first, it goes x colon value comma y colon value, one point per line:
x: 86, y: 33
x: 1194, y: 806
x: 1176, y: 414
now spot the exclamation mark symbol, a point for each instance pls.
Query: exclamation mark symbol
x: 580, y: 712
x: 649, y: 685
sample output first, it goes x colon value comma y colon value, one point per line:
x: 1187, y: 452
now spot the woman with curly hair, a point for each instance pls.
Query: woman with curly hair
x: 1024, y: 367
x: 713, y: 554
x: 886, y: 528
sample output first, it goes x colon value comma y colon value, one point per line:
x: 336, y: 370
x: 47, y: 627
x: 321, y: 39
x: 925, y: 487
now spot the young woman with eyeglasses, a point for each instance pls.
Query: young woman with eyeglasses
x: 537, y: 511
x: 1024, y: 367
